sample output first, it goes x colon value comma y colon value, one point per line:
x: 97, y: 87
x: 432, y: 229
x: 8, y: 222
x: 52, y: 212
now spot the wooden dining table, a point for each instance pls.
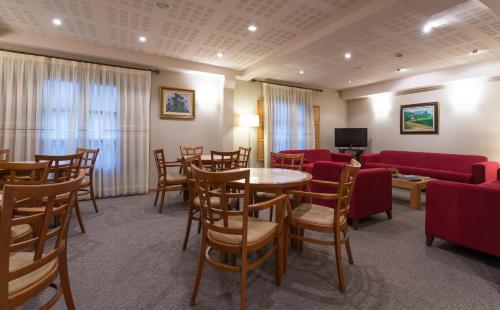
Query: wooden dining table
x: 276, y: 179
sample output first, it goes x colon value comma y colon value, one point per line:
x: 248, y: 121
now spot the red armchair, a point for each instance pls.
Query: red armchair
x: 315, y: 155
x: 473, y: 169
x: 464, y: 214
x: 372, y: 193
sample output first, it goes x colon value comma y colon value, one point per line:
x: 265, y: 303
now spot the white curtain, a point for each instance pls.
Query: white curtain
x: 289, y: 120
x: 85, y: 105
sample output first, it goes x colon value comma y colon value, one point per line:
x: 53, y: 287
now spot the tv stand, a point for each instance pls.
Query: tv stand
x: 356, y: 151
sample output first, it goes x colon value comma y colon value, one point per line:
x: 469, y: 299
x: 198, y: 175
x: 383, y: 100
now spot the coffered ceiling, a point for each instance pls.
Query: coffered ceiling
x: 292, y: 36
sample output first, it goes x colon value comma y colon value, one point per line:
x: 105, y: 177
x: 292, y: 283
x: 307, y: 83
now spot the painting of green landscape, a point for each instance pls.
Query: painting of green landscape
x: 419, y: 118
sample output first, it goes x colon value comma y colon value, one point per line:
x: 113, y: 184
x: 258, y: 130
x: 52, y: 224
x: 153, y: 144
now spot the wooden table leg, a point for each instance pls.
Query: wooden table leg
x: 415, y: 193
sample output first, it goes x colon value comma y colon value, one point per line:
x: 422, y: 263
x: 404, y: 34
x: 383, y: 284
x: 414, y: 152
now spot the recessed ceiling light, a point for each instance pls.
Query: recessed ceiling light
x: 428, y: 27
x: 301, y: 71
x: 57, y: 21
x: 220, y: 55
x: 252, y: 28
x: 347, y: 55
x: 162, y: 5
x: 402, y: 69
x: 349, y: 82
x: 142, y: 39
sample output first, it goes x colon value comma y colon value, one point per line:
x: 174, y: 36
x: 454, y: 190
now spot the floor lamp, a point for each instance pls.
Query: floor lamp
x: 249, y: 121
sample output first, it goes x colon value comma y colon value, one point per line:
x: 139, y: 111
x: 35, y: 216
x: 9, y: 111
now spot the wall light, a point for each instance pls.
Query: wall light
x: 381, y: 104
x: 465, y: 93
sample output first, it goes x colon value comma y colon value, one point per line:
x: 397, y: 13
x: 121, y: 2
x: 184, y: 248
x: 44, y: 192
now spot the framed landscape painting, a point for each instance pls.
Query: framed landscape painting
x: 420, y: 118
x: 176, y: 103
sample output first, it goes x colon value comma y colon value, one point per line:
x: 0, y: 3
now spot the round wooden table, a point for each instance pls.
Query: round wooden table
x: 276, y: 179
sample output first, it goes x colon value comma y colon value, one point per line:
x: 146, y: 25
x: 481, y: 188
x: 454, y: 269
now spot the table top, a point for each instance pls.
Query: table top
x: 277, y: 177
x: 396, y: 182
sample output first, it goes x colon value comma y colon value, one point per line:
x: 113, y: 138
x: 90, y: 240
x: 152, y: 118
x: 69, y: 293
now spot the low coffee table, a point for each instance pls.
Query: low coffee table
x: 415, y: 188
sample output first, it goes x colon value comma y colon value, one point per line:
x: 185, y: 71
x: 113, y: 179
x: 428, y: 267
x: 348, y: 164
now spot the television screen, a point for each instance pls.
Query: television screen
x: 351, y: 137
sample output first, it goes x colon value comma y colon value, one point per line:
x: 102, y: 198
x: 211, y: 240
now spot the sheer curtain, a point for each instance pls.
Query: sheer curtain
x: 87, y: 105
x: 289, y: 122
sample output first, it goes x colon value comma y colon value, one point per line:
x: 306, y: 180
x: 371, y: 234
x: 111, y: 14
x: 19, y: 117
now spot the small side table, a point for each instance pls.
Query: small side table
x: 415, y: 188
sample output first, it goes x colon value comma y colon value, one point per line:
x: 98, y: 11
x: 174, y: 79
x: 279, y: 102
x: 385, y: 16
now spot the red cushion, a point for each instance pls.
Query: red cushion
x: 309, y: 167
x: 433, y: 173
x: 439, y: 161
x: 311, y: 156
x: 492, y: 184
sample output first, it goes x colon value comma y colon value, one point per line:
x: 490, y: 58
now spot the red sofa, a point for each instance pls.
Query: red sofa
x: 449, y: 167
x: 465, y: 214
x: 312, y: 156
x: 372, y: 192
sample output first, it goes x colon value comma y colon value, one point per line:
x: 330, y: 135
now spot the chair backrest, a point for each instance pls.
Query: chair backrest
x: 287, y: 161
x: 346, y: 187
x: 244, y: 156
x: 191, y: 150
x: 48, y: 241
x: 23, y: 173
x: 62, y: 168
x: 88, y: 160
x: 221, y: 161
x: 160, y: 161
x: 224, y: 187
x: 188, y: 161
x: 4, y: 155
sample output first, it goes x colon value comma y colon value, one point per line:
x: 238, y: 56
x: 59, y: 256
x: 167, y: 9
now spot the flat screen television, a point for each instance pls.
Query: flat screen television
x: 351, y: 137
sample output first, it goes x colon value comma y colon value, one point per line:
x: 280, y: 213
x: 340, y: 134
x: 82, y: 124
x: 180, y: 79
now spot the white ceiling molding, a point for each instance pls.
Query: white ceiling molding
x: 427, y: 80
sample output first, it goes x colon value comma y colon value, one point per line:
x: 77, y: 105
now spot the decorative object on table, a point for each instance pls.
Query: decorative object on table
x: 177, y: 103
x: 420, y: 118
x: 410, y: 177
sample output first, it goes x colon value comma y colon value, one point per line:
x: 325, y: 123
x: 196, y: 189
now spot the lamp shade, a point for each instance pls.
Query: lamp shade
x: 248, y: 120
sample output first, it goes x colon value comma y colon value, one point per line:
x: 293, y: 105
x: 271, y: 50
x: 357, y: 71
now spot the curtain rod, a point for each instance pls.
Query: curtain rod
x: 283, y: 84
x: 72, y: 59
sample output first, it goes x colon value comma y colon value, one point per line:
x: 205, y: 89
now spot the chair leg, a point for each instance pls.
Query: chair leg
x: 301, y: 242
x: 429, y: 240
x: 163, y: 190
x: 278, y: 259
x: 286, y: 233
x: 64, y: 277
x: 244, y: 267
x: 340, y: 266
x: 348, y: 246
x: 91, y: 192
x: 389, y: 214
x: 188, y: 228
x: 355, y: 224
x: 79, y: 216
x: 199, y: 271
x: 157, y: 194
x: 199, y: 225
x: 271, y: 214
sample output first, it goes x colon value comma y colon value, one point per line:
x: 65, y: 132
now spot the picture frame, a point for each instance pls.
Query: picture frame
x: 177, y: 103
x: 419, y: 118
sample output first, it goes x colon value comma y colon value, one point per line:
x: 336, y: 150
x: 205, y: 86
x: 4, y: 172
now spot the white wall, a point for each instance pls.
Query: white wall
x: 208, y: 127
x: 333, y: 113
x: 469, y: 121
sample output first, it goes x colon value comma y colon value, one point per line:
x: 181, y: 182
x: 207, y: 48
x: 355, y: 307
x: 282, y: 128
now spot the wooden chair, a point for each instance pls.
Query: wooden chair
x: 88, y: 164
x: 194, y: 200
x: 221, y: 161
x: 167, y: 182
x: 244, y: 157
x: 30, y: 267
x: 283, y: 161
x: 188, y: 151
x: 233, y: 232
x: 62, y: 168
x: 23, y: 174
x: 4, y: 155
x: 318, y: 218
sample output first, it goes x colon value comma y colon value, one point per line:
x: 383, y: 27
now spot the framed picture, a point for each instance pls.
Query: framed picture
x: 420, y: 118
x: 176, y: 103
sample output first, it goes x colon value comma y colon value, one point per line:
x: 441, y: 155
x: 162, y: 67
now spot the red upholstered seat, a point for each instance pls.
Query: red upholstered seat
x: 466, y: 214
x: 372, y: 193
x: 450, y: 167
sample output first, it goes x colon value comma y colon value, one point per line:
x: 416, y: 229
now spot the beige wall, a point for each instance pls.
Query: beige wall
x: 469, y: 120
x: 206, y: 129
x: 333, y: 114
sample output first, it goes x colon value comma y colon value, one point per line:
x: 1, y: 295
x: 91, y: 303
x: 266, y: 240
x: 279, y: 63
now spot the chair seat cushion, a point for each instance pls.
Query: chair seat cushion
x: 19, y: 259
x: 174, y: 178
x: 214, y: 201
x: 261, y: 196
x: 315, y: 214
x: 20, y: 230
x: 257, y: 230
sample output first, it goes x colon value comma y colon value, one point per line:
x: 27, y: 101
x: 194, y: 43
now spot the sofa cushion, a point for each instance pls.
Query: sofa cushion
x: 439, y: 161
x: 311, y: 156
x: 433, y: 173
x: 492, y: 184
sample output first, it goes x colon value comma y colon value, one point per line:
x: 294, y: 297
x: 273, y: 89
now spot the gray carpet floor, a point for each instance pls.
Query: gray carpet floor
x: 131, y: 258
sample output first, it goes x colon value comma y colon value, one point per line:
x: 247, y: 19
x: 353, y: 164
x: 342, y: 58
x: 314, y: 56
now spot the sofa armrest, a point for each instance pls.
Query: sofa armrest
x: 370, y: 158
x: 498, y: 174
x: 466, y: 214
x: 341, y: 157
x: 484, y: 172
